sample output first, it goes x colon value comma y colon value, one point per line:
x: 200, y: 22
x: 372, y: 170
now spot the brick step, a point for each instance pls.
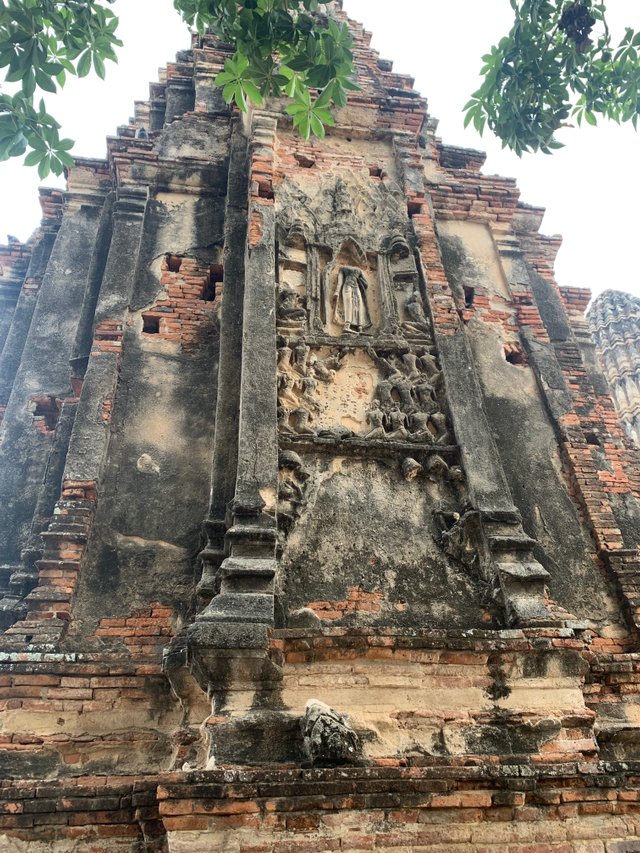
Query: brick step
x: 50, y: 594
x: 67, y: 526
x: 32, y: 626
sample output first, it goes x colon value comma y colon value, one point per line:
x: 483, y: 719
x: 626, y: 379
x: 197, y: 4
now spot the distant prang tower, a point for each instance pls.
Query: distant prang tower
x: 319, y: 529
x: 614, y: 319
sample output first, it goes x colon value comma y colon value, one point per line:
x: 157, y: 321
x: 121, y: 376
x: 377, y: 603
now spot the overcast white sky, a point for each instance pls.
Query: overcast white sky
x: 591, y: 189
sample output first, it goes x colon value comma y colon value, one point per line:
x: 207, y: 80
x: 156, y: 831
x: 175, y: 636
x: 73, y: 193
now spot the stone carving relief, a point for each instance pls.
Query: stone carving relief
x: 345, y: 262
x: 348, y: 294
x: 357, y: 364
x: 291, y: 306
x: 356, y: 392
x: 292, y: 486
x: 351, y: 308
x: 458, y: 535
x: 292, y: 275
x: 408, y: 394
x: 327, y: 737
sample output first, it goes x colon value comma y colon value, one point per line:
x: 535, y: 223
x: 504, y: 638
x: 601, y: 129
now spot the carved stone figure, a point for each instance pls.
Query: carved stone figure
x: 292, y: 481
x: 339, y: 433
x: 342, y: 204
x: 419, y: 423
x: 440, y: 423
x: 286, y: 386
x: 321, y: 371
x: 390, y: 370
x: 351, y: 309
x: 459, y: 482
x: 425, y: 397
x: 437, y: 468
x: 375, y: 418
x: 457, y: 537
x: 289, y: 305
x: 393, y: 371
x: 289, y: 490
x: 284, y: 355
x: 404, y: 388
x: 410, y: 469
x: 409, y: 360
x: 398, y: 423
x: 300, y: 357
x: 309, y: 387
x: 383, y: 390
x: 283, y: 419
x: 300, y: 418
x: 426, y: 362
x: 327, y: 738
x: 417, y: 320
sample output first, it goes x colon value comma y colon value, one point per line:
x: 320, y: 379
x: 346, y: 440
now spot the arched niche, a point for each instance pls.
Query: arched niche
x: 292, y: 276
x: 351, y: 291
x: 401, y: 276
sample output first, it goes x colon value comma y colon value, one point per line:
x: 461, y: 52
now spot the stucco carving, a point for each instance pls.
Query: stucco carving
x: 345, y: 256
x: 292, y: 485
x: 327, y: 737
x: 375, y: 395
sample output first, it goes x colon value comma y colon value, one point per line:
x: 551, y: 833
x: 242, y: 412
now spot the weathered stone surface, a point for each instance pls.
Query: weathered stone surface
x: 291, y: 427
x: 327, y: 737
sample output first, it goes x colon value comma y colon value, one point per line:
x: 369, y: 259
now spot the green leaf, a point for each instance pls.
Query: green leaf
x: 240, y: 99
x: 44, y: 167
x: 34, y: 157
x: 252, y: 92
x: 65, y: 159
x: 296, y: 109
x: 223, y: 78
x: 45, y: 83
x: 304, y: 126
x: 84, y: 65
x: 98, y: 65
x: 316, y: 126
x: 324, y: 116
x: 29, y: 84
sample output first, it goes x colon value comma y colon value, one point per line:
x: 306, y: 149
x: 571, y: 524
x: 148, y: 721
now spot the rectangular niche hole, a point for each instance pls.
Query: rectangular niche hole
x: 514, y: 355
x: 469, y: 294
x: 375, y: 171
x: 174, y: 262
x: 213, y: 285
x: 47, y: 408
x: 592, y: 438
x: 265, y: 191
x: 150, y: 324
x: 414, y: 208
x: 305, y: 161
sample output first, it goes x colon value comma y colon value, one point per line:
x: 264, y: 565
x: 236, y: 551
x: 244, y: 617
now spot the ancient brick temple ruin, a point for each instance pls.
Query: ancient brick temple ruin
x: 319, y: 528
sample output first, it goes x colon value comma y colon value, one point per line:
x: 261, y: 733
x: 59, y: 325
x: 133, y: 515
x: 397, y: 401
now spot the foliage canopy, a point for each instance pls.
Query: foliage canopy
x: 557, y: 62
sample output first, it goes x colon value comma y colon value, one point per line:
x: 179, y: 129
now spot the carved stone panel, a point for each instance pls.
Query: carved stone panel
x: 345, y: 256
x: 358, y: 392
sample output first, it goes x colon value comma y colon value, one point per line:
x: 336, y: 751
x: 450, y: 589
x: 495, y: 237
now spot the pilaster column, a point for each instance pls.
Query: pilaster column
x: 227, y: 643
x: 493, y: 527
x: 225, y: 447
x: 238, y: 617
x: 49, y: 604
x: 42, y: 404
x: 90, y: 433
